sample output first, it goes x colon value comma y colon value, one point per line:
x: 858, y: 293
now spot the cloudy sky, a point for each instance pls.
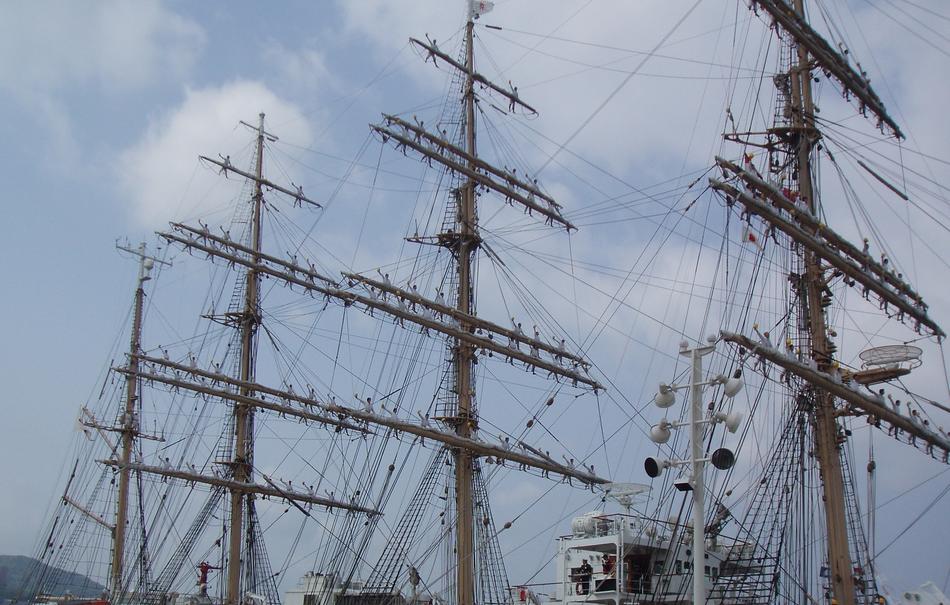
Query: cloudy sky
x: 106, y: 106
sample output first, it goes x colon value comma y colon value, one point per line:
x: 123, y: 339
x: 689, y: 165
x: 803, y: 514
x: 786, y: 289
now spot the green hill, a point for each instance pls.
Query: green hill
x: 16, y: 570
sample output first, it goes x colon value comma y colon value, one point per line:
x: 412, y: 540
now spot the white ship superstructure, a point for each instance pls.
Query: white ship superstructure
x: 633, y: 560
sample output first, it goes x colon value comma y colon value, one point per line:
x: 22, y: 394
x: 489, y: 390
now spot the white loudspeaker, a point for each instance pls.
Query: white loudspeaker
x: 732, y: 421
x: 660, y: 433
x: 665, y: 397
x: 732, y: 387
x: 654, y: 466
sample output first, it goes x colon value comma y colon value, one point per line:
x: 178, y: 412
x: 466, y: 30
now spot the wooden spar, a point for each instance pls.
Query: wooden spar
x: 88, y: 513
x: 237, y: 398
x: 873, y: 407
x: 224, y: 241
x: 474, y: 446
x: 475, y: 77
x: 880, y: 179
x: 298, y: 195
x: 810, y: 222
x: 828, y: 59
x: 473, y: 174
x: 405, y: 294
x: 242, y: 487
x: 464, y: 155
x: 471, y: 320
x: 350, y: 298
x: 756, y: 206
x: 535, y: 451
x: 101, y: 429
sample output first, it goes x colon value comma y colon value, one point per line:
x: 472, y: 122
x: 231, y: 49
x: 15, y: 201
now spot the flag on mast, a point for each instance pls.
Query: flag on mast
x: 480, y: 7
x: 749, y: 237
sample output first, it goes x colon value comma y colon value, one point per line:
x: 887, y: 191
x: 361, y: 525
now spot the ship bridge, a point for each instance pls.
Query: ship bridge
x: 625, y: 558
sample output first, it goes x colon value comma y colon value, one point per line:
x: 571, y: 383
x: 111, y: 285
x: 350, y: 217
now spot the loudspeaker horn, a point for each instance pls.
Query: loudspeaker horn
x: 723, y: 459
x: 654, y: 466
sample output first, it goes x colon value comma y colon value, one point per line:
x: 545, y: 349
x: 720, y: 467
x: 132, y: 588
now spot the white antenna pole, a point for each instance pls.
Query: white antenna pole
x: 697, y: 463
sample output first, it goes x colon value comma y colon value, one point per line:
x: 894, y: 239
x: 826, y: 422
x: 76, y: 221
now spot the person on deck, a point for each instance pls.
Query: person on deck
x: 585, y: 573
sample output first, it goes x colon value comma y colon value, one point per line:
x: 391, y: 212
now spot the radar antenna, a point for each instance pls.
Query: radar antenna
x: 625, y: 494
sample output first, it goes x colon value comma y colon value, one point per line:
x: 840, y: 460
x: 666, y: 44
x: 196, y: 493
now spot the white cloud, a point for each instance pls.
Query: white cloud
x: 155, y: 172
x: 388, y: 24
x: 57, y: 128
x: 55, y: 52
x: 304, y: 69
x: 118, y: 45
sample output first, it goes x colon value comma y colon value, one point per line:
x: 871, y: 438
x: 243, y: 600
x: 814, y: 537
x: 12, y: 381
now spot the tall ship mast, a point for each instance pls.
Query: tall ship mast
x: 478, y: 578
x: 359, y: 427
x: 237, y: 559
x: 824, y: 257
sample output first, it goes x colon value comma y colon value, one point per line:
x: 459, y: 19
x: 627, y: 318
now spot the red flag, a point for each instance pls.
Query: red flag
x: 748, y: 237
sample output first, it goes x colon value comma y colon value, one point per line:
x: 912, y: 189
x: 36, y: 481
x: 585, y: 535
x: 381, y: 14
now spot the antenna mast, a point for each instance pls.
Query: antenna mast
x: 242, y: 463
x: 824, y: 418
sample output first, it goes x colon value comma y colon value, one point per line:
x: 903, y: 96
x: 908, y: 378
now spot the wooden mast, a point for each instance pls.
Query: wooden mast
x: 466, y: 419
x: 463, y: 240
x: 128, y: 428
x: 242, y: 463
x: 823, y: 419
